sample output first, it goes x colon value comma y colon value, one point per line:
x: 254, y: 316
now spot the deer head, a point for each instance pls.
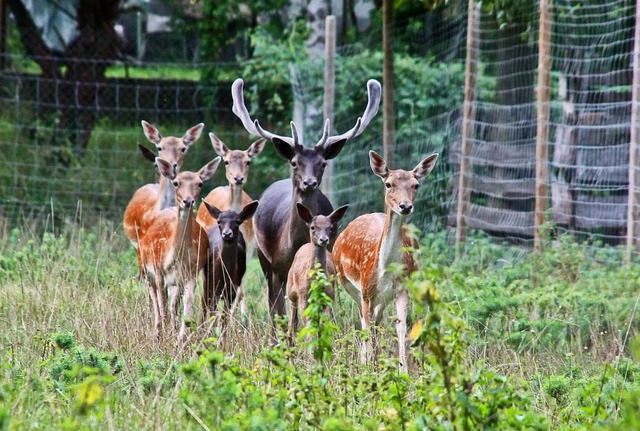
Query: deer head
x: 307, y: 164
x: 322, y: 229
x: 236, y: 161
x: 188, y: 184
x: 401, y: 186
x: 229, y: 221
x: 170, y: 148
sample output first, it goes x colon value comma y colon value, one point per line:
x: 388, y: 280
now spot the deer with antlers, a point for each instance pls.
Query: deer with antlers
x: 371, y: 243
x: 232, y: 197
x: 322, y: 232
x: 175, y: 247
x: 150, y: 199
x: 279, y: 230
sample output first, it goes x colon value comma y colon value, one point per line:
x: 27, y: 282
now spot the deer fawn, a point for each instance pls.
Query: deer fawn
x: 322, y: 231
x: 227, y: 254
x: 233, y: 197
x: 279, y: 230
x: 370, y: 243
x: 149, y: 199
x: 175, y: 247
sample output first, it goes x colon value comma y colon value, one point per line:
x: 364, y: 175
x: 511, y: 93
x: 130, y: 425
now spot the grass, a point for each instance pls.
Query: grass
x: 548, y: 337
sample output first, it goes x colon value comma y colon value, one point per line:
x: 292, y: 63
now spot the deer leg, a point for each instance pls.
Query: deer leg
x: 365, y: 352
x: 161, y: 300
x: 293, y: 321
x: 187, y: 306
x: 174, y: 303
x: 402, y: 306
x: 156, y: 311
x: 207, y: 291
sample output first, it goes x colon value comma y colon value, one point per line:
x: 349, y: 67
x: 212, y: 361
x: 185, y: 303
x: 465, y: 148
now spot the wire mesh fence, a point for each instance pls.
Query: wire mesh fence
x: 590, y: 123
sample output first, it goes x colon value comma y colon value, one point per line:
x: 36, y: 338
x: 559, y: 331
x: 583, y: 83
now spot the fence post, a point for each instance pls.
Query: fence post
x: 329, y: 93
x: 388, y: 119
x: 542, y: 133
x: 634, y: 193
x: 471, y: 69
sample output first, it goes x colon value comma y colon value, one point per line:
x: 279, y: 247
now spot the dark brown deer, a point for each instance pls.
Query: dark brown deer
x: 279, y: 230
x: 323, y: 231
x: 227, y: 254
x: 372, y: 242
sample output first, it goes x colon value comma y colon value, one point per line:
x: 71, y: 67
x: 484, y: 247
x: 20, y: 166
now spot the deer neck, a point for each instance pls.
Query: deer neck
x: 167, y: 196
x: 235, y: 192
x: 390, y: 248
x: 182, y: 238
x: 320, y: 256
x: 298, y: 231
x: 228, y: 256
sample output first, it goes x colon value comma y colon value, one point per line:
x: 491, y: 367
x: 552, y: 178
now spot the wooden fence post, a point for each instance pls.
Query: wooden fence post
x: 542, y: 133
x: 634, y: 193
x: 471, y: 69
x: 329, y: 93
x: 388, y: 114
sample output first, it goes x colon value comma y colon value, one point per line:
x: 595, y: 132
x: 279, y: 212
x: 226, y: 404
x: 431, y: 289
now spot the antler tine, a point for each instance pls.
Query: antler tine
x: 374, y: 90
x: 294, y: 134
x: 240, y: 109
x: 325, y: 134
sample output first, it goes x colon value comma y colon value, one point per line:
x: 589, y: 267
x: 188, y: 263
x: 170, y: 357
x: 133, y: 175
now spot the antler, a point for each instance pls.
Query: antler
x: 252, y: 126
x: 374, y: 90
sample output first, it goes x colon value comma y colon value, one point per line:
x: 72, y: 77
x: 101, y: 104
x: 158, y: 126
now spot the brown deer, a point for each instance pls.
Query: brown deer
x: 227, y: 254
x: 175, y: 247
x: 370, y: 243
x: 279, y: 230
x: 233, y: 197
x: 322, y: 232
x: 149, y: 199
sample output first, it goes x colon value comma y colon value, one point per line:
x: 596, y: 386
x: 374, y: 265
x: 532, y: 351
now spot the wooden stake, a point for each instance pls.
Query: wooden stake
x: 634, y: 193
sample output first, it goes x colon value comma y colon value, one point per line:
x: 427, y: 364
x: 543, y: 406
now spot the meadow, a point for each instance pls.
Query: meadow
x: 502, y: 338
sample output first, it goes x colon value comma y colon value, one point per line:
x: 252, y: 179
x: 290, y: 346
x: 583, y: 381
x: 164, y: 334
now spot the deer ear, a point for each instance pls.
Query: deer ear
x: 207, y: 171
x: 256, y: 148
x: 147, y: 153
x: 151, y: 132
x: 332, y: 149
x: 248, y: 210
x: 337, y: 215
x: 304, y: 213
x: 218, y: 146
x: 215, y: 212
x: 166, y: 169
x: 193, y: 134
x: 378, y: 165
x: 283, y: 148
x: 425, y: 166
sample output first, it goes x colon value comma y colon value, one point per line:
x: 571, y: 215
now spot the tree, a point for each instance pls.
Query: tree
x: 86, y: 57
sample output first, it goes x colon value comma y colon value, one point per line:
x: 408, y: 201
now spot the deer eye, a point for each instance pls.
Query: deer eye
x: 387, y: 185
x: 199, y: 185
x: 184, y: 150
x: 226, y: 162
x: 417, y: 186
x: 248, y: 162
x: 293, y: 163
x: 313, y: 228
x: 324, y: 164
x: 175, y: 183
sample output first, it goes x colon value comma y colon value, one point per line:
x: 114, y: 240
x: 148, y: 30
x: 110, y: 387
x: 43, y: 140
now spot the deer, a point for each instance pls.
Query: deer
x: 366, y: 248
x: 150, y: 199
x: 227, y: 255
x: 175, y: 248
x: 233, y: 197
x: 279, y: 231
x: 322, y: 231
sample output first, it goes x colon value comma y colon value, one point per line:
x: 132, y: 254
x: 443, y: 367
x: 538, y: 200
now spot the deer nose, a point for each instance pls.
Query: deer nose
x: 188, y: 201
x: 227, y: 234
x: 323, y: 240
x: 309, y: 184
x: 239, y: 179
x: 406, y: 207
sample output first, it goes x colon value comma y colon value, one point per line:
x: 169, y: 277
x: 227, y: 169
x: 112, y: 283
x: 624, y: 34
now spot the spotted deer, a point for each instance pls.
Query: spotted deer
x: 279, y: 230
x: 232, y: 196
x: 371, y: 243
x: 175, y: 247
x: 227, y: 255
x: 322, y: 231
x: 150, y: 199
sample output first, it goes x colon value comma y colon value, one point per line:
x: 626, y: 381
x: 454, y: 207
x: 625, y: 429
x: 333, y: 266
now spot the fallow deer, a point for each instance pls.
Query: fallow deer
x: 367, y: 247
x: 233, y: 197
x: 227, y: 254
x: 175, y: 247
x: 322, y: 231
x: 279, y: 230
x: 149, y: 199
